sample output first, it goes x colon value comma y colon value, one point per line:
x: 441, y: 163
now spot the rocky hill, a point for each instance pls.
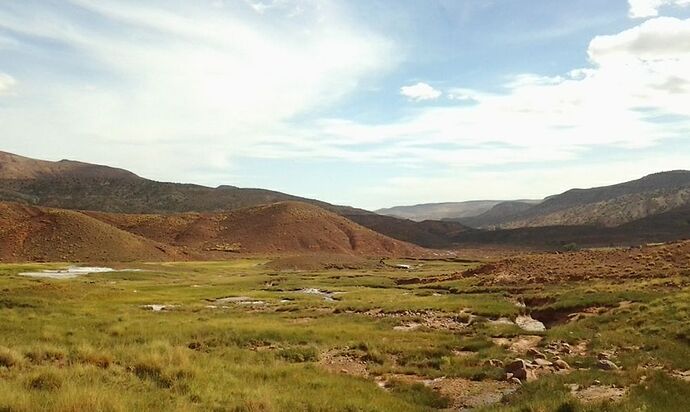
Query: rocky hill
x: 82, y: 186
x: 30, y: 233
x: 273, y: 228
x: 600, y: 206
x: 498, y: 213
x: 663, y: 227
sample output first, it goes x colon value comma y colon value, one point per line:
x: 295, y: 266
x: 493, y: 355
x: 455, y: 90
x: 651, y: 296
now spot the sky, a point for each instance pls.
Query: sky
x: 369, y: 103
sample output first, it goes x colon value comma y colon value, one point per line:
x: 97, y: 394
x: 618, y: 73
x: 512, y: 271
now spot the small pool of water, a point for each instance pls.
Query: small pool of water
x: 73, y: 272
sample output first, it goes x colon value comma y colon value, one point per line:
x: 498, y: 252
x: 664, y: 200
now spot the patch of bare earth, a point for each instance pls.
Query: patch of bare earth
x: 518, y: 344
x: 656, y: 261
x: 463, y: 393
x: 412, y: 320
x: 338, y: 361
x: 597, y: 393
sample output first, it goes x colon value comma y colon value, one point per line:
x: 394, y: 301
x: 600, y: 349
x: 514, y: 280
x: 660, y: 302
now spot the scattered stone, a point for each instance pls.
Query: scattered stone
x: 561, y: 364
x: 603, y: 356
x: 606, y: 364
x: 408, y: 327
x: 515, y: 365
x: 518, y: 369
x: 682, y: 375
x: 535, y: 353
x: 519, y: 344
x: 543, y: 362
x: 158, y: 308
x: 529, y: 324
x: 496, y: 363
x: 501, y: 321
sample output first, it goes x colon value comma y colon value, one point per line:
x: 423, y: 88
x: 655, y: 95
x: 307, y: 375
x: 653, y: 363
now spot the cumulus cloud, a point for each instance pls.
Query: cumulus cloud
x: 420, y: 91
x: 230, y: 78
x: 162, y: 91
x: 650, y: 8
x: 637, y: 77
x: 6, y: 83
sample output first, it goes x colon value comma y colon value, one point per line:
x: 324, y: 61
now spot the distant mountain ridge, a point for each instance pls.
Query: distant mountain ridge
x: 444, y: 211
x: 83, y: 186
x: 605, y: 206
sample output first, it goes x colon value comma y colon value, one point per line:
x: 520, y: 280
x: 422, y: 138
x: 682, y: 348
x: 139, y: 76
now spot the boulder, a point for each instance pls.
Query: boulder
x: 606, y: 364
x: 561, y: 364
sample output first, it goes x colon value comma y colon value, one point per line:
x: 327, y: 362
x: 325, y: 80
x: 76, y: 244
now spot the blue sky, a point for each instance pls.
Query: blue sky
x: 368, y: 103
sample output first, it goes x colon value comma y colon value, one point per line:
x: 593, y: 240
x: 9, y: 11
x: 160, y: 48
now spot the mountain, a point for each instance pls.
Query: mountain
x: 29, y: 233
x: 499, y: 212
x: 664, y: 227
x: 83, y: 186
x: 428, y: 233
x: 455, y: 211
x: 606, y: 206
x: 439, y: 211
x: 48, y: 234
x: 75, y: 185
x: 273, y: 228
x: 14, y: 167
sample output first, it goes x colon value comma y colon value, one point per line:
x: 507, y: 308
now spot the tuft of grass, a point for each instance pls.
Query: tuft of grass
x: 299, y: 354
x: 43, y: 353
x: 88, y: 355
x: 166, y: 366
x: 10, y: 358
x: 46, y: 381
x: 419, y: 394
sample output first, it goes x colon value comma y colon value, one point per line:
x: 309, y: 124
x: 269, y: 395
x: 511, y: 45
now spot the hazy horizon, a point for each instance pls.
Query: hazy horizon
x: 366, y: 103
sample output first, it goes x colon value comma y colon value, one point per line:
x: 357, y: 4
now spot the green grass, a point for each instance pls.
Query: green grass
x: 89, y: 344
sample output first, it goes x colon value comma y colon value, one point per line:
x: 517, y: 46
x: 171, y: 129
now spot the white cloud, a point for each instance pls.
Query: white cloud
x: 231, y: 78
x: 532, y: 182
x: 251, y: 83
x: 420, y: 91
x: 6, y: 83
x: 650, y: 8
x: 637, y: 76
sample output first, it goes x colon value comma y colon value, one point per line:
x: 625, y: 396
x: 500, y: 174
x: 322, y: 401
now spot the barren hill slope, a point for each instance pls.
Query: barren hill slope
x: 438, y: 211
x: 605, y: 206
x: 83, y: 186
x: 17, y: 167
x: 663, y: 227
x: 30, y: 233
x: 285, y: 227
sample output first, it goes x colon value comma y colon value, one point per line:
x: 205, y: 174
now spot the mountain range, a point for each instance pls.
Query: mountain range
x: 81, y: 211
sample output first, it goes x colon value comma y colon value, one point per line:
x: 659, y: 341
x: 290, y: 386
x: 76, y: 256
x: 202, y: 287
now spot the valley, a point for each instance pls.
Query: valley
x: 121, y: 293
x: 330, y: 333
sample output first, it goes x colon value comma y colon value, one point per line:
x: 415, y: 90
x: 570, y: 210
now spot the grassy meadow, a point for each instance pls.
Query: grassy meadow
x: 237, y: 336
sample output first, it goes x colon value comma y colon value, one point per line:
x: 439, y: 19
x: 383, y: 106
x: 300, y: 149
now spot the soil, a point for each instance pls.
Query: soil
x: 518, y: 344
x: 30, y: 233
x: 463, y: 393
x: 598, y: 393
x: 654, y: 261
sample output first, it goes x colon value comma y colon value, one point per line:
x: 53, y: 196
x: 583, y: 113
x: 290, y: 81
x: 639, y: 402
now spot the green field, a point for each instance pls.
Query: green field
x: 90, y: 343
